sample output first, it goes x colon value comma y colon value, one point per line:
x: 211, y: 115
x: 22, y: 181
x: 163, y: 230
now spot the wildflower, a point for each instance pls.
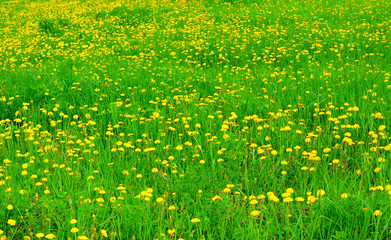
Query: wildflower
x: 10, y: 207
x: 320, y: 192
x: 377, y: 213
x: 172, y: 207
x: 217, y: 198
x: 288, y: 200
x: 261, y: 197
x: 255, y: 213
x: 274, y: 198
x: 11, y: 222
x: 311, y: 199
x: 179, y: 147
x: 50, y: 236
x: 290, y: 190
x: 171, y: 231
x: 195, y: 220
x: 103, y: 233
x: 344, y: 195
x: 73, y: 221
x: 327, y: 150
x: 39, y: 235
x: 74, y: 230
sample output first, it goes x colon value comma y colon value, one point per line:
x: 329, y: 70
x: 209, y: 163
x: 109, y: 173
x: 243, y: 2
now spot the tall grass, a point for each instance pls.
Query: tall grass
x: 195, y: 119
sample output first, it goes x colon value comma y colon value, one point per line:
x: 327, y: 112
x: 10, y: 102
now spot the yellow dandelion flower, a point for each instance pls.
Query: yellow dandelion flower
x: 344, y: 195
x: 255, y: 213
x: 320, y: 192
x: 300, y: 199
x: 50, y: 236
x: 171, y: 208
x: 11, y: 222
x: 377, y: 213
x: 103, y: 233
x: 179, y: 148
x: 195, y: 220
x: 40, y: 235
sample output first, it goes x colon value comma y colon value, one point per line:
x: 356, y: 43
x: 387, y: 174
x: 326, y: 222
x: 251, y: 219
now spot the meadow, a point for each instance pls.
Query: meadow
x: 195, y: 119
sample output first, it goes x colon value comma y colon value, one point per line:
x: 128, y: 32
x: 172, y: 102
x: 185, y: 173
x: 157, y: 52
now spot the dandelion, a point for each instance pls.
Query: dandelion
x: 288, y: 200
x: 179, y: 148
x: 320, y: 192
x: 290, y: 190
x: 311, y: 199
x: 50, y: 236
x: 39, y: 235
x: 103, y: 233
x: 255, y: 213
x: 74, y: 230
x: 215, y: 198
x: 344, y: 195
x: 195, y: 220
x: 171, y: 208
x: 377, y: 213
x: 11, y: 222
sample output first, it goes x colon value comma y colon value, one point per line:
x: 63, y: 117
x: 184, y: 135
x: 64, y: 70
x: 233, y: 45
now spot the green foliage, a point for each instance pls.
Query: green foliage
x: 209, y: 119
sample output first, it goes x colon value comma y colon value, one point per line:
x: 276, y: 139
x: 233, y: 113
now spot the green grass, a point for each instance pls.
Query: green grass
x: 261, y: 119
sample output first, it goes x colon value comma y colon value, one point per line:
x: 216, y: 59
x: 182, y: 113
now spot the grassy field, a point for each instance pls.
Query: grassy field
x: 204, y: 119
